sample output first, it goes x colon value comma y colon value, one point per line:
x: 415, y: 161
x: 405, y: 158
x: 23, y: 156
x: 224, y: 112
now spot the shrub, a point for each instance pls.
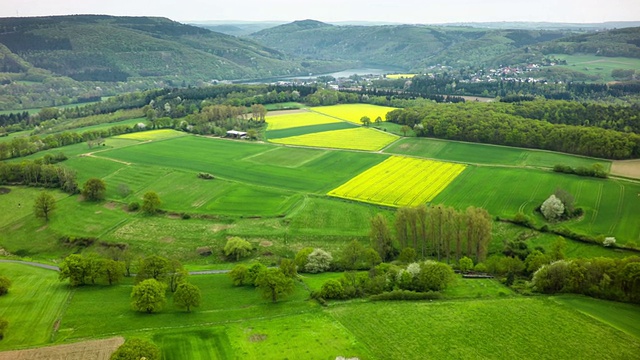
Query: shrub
x: 318, y: 261
x: 302, y: 258
x: 609, y: 241
x: 434, y: 276
x: 237, y: 248
x: 239, y: 275
x: 332, y: 289
x: 133, y: 206
x: 552, y: 208
x: 405, y: 295
x: 5, y: 284
x: 4, y: 324
x: 252, y: 274
x: 407, y: 255
x: 205, y: 176
x: 136, y: 349
x: 465, y: 264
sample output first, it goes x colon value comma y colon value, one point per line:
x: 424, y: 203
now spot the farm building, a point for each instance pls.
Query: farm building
x: 236, y: 134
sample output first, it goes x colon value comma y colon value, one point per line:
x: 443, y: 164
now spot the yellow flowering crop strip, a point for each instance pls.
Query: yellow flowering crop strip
x: 152, y: 135
x: 354, y: 112
x: 359, y: 138
x: 400, y: 76
x: 400, y: 181
x: 280, y: 122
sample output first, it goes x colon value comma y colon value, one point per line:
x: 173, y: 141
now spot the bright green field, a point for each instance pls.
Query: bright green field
x: 509, y: 328
x: 487, y: 154
x: 597, y: 65
x: 611, y: 206
x: 32, y: 306
x: 228, y: 160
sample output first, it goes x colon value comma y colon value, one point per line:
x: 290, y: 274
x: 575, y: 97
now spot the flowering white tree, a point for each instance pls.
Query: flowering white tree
x: 552, y: 208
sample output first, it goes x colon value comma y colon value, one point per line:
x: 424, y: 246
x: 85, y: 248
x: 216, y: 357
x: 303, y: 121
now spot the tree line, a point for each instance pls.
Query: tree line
x: 38, y: 173
x: 479, y: 123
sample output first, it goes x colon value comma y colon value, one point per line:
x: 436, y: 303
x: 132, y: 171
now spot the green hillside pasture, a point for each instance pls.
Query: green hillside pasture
x: 182, y: 191
x: 227, y: 160
x: 624, y: 317
x: 611, y: 206
x: 304, y: 130
x: 79, y: 149
x: 221, y: 303
x: 136, y: 177
x: 18, y: 203
x: 172, y: 237
x: 510, y: 328
x: 597, y: 65
x: 286, y: 157
x: 476, y: 288
x: 575, y: 249
x: 88, y: 167
x: 487, y: 154
x: 32, y: 306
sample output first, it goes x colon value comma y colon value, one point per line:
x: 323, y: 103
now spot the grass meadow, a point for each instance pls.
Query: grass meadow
x: 32, y: 306
x: 505, y: 328
x: 600, y: 66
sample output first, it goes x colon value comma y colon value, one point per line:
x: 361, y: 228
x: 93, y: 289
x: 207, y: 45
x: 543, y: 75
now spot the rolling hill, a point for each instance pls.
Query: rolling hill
x: 106, y: 48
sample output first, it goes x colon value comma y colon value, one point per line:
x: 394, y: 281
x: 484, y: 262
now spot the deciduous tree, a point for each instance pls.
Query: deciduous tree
x: 5, y: 284
x: 318, y: 261
x: 151, y: 203
x: 136, y: 349
x: 381, y: 237
x: 187, y: 296
x: 94, y: 189
x: 44, y: 205
x: 148, y: 296
x: 274, y: 284
x: 237, y: 248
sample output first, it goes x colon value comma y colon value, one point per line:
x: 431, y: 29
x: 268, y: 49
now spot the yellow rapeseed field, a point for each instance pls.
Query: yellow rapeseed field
x: 400, y: 76
x: 400, y: 181
x: 354, y: 112
x: 357, y: 139
x: 152, y: 135
x: 279, y: 122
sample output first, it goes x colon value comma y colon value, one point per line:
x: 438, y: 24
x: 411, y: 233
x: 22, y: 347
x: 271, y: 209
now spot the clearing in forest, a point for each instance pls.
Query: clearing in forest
x: 400, y: 181
x: 354, y: 112
x: 356, y: 139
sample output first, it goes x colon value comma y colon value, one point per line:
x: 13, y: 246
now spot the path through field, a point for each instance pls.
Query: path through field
x: 86, y: 350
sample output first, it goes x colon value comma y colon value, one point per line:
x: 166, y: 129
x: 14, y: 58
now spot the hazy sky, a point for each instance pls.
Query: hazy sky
x: 406, y: 11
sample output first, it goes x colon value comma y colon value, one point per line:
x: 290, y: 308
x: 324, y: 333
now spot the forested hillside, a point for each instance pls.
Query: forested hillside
x: 105, y: 48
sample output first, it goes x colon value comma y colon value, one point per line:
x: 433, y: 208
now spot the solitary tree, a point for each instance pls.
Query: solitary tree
x: 365, y: 120
x: 552, y: 208
x: 187, y: 296
x: 94, y: 189
x: 237, y: 248
x: 274, y: 284
x: 5, y: 284
x: 150, y: 203
x: 148, y: 296
x: 43, y: 206
x: 136, y: 349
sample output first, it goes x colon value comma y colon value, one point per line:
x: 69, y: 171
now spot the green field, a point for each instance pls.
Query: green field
x: 510, y: 328
x: 600, y: 66
x: 310, y: 129
x: 610, y: 206
x: 32, y: 306
x: 487, y: 154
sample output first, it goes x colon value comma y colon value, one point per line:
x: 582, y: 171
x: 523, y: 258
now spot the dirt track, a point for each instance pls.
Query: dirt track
x: 86, y: 350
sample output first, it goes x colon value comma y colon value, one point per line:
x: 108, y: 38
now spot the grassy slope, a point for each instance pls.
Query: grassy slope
x: 32, y: 306
x: 522, y: 328
x: 487, y: 154
x: 609, y: 205
x: 597, y: 65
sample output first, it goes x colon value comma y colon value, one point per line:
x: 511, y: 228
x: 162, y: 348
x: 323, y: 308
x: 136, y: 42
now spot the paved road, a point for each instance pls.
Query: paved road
x: 55, y: 268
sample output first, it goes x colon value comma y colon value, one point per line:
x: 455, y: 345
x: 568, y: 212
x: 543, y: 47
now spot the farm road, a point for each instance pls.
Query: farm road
x: 55, y: 268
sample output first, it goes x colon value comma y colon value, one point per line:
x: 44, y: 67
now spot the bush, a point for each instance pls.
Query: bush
x: 136, y: 349
x: 5, y: 284
x: 185, y: 216
x: 4, y: 324
x: 318, y: 261
x: 332, y: 289
x: 237, y: 248
x: 239, y: 275
x: 406, y: 295
x: 302, y: 258
x: 205, y: 176
x: 465, y: 264
x: 133, y: 206
x: 434, y: 276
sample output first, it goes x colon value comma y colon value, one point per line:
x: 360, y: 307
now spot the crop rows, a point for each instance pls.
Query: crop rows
x: 400, y: 181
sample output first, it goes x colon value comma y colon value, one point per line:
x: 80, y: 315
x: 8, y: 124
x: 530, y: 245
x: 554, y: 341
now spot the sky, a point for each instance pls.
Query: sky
x: 402, y: 11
